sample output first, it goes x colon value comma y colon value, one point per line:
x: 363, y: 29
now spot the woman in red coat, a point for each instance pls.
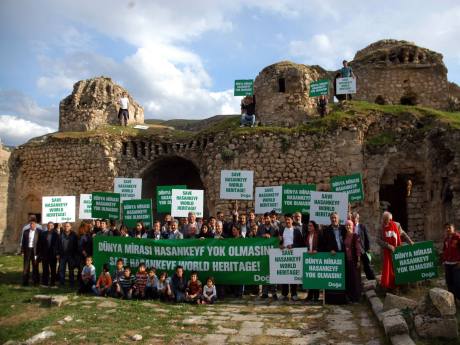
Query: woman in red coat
x: 390, y: 239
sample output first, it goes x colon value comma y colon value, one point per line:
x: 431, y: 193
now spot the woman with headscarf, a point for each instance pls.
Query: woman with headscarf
x: 352, y: 249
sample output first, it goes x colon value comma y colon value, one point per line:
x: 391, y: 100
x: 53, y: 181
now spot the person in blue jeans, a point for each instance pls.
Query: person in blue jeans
x: 68, y: 253
x: 248, y: 111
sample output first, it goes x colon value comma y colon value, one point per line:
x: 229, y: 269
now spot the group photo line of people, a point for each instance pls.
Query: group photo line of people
x: 60, y: 251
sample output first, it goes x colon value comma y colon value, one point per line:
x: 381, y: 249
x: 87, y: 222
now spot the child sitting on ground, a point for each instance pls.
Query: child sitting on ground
x: 151, y: 285
x: 164, y: 288
x: 88, y: 276
x: 126, y: 284
x: 209, y: 295
x: 194, y: 289
x: 104, y: 282
x: 116, y: 276
x: 141, y: 281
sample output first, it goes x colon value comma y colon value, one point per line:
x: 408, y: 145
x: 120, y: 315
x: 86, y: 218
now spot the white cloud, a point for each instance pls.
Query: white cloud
x: 16, y: 131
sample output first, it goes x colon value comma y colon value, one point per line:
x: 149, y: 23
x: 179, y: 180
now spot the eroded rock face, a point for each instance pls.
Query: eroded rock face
x: 400, y: 72
x: 282, y: 93
x: 94, y: 102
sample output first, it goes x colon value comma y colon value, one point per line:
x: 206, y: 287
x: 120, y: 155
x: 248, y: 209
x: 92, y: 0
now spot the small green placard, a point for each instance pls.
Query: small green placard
x: 164, y: 197
x: 137, y: 210
x: 244, y: 87
x: 351, y: 184
x: 105, y: 205
x: 414, y: 263
x: 319, y: 88
x: 324, y: 271
x: 296, y: 198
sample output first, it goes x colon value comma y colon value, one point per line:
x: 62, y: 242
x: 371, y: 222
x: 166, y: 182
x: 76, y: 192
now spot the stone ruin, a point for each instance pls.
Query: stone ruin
x: 281, y: 92
x: 391, y: 152
x: 399, y: 72
x: 94, y: 103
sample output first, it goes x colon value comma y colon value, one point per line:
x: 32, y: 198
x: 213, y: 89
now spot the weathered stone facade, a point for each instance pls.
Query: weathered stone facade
x: 391, y: 71
x: 93, y: 103
x: 4, y: 175
x: 427, y: 155
x: 282, y: 90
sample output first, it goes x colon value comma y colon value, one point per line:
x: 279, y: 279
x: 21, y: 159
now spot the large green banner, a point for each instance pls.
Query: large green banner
x: 351, y: 184
x: 139, y: 210
x: 164, y: 197
x: 105, y: 205
x: 324, y: 271
x: 297, y: 197
x: 229, y: 261
x: 415, y: 262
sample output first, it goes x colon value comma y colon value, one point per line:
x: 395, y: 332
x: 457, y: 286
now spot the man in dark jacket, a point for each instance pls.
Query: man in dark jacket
x: 179, y: 284
x: 291, y: 237
x: 333, y: 242
x: 68, y: 253
x: 47, y: 253
x: 29, y: 247
x: 361, y: 231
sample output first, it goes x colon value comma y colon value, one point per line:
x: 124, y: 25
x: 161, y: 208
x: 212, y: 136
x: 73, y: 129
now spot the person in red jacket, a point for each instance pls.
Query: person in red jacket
x: 451, y: 258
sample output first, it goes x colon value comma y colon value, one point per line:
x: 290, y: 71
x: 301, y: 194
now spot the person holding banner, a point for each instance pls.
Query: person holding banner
x: 333, y: 237
x: 352, y: 249
x: 451, y: 259
x: 390, y: 238
x: 313, y: 242
x: 291, y: 237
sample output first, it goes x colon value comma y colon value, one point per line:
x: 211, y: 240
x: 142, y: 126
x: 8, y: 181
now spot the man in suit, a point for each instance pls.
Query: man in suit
x: 333, y: 242
x: 47, y: 252
x: 29, y: 247
x: 68, y: 253
x: 361, y: 231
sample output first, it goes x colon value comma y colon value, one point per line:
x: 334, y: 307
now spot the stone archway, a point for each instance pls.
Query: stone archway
x: 172, y: 170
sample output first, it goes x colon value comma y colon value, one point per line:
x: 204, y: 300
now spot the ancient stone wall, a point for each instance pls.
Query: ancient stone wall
x: 389, y: 70
x: 282, y: 90
x: 94, y: 103
x: 4, y: 175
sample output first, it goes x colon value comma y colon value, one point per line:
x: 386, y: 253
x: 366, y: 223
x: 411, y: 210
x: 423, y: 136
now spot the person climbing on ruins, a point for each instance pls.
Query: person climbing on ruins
x: 248, y: 111
x: 123, y: 113
x: 322, y: 105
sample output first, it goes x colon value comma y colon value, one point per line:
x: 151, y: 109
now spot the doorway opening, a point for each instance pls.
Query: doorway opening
x: 393, y: 198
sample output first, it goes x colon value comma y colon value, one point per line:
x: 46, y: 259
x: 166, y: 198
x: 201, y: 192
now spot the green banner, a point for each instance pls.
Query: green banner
x: 139, y: 210
x: 351, y: 184
x: 229, y: 261
x: 296, y: 197
x: 105, y: 205
x: 319, y: 88
x: 415, y: 262
x: 244, y: 87
x: 164, y: 197
x: 324, y: 271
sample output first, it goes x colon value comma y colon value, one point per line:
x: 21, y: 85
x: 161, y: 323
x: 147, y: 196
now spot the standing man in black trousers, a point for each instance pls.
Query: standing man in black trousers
x: 361, y: 231
x: 29, y: 247
x: 48, y: 253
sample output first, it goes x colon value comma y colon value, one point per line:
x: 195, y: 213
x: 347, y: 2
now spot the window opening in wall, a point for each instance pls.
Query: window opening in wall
x: 281, y: 85
x: 134, y: 145
x: 124, y: 148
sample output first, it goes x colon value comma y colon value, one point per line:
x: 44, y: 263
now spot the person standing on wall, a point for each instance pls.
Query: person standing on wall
x: 361, y: 231
x: 29, y: 247
x: 123, y: 113
x: 346, y: 72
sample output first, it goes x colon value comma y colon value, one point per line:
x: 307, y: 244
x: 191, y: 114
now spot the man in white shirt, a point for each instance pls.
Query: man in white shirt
x: 29, y: 246
x: 291, y: 237
x: 32, y: 218
x: 123, y: 113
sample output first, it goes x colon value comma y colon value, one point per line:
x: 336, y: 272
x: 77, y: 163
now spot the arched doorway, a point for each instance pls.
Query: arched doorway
x: 171, y: 171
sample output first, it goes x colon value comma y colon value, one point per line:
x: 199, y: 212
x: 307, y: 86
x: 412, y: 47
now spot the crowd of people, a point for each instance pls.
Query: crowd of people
x: 62, y: 251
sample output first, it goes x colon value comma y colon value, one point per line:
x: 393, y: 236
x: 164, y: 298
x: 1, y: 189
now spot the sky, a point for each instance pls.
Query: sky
x: 179, y: 58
